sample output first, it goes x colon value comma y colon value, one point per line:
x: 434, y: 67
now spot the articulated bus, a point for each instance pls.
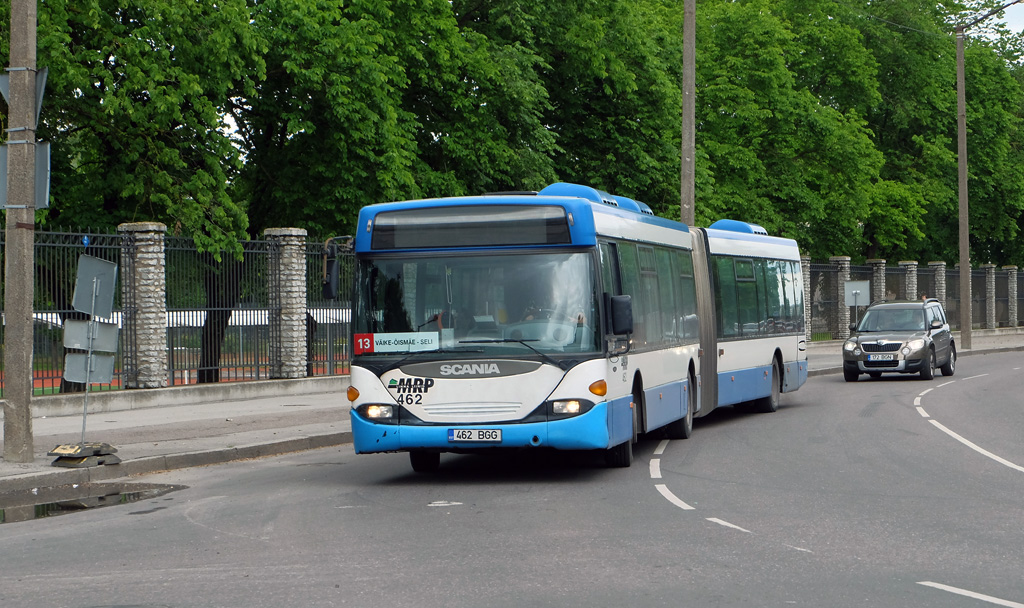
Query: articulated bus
x: 568, y: 318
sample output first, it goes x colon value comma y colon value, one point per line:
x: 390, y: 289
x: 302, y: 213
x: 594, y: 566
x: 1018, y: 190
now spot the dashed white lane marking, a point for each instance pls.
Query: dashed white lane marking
x: 444, y: 503
x: 944, y: 384
x: 727, y: 524
x: 655, y: 468
x: 973, y: 377
x: 977, y: 449
x: 798, y: 549
x: 924, y: 414
x: 925, y: 392
x: 672, y: 498
x: 972, y: 594
x: 661, y: 447
x: 917, y: 401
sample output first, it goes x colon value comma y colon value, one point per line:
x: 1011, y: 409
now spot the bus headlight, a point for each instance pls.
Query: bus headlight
x: 569, y: 407
x: 377, y: 411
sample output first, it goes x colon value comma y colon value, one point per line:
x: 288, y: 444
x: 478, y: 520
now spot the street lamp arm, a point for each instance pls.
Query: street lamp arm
x: 961, y: 28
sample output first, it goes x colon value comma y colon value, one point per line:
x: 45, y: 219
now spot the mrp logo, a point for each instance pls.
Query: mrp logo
x: 410, y: 385
x: 470, y: 369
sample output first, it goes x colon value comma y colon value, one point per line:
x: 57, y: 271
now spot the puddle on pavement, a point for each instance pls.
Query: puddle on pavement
x: 37, y: 503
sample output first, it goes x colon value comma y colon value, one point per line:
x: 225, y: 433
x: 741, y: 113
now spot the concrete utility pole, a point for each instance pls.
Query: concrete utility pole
x: 20, y: 235
x: 687, y: 191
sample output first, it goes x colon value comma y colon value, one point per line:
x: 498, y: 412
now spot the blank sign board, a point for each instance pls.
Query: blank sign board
x: 77, y: 334
x: 94, y: 287
x: 77, y: 368
x: 858, y: 293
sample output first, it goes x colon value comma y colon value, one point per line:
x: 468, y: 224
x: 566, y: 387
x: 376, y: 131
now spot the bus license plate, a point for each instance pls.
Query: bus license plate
x: 491, y: 435
x: 881, y: 357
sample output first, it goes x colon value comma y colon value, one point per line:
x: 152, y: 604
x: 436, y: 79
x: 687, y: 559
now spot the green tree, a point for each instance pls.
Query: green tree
x: 787, y: 150
x: 134, y: 111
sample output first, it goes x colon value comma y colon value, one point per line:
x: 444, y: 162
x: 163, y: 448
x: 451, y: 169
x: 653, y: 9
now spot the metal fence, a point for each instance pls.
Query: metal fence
x: 55, y: 268
x: 217, y: 313
x: 327, y: 321
x: 219, y: 319
x: 824, y: 305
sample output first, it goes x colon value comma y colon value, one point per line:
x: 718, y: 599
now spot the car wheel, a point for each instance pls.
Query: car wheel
x: 850, y: 372
x: 928, y: 369
x: 950, y: 366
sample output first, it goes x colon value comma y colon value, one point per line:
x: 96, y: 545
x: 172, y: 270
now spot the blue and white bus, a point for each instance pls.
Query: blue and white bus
x: 568, y: 318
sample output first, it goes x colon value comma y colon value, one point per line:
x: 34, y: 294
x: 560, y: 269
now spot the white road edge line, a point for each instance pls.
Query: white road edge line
x: 672, y: 498
x: 727, y: 524
x: 971, y: 594
x: 655, y: 468
x: 661, y: 447
x: 977, y: 449
x: 923, y: 413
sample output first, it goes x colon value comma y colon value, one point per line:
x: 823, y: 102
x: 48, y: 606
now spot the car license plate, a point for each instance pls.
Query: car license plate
x: 881, y: 357
x: 485, y: 435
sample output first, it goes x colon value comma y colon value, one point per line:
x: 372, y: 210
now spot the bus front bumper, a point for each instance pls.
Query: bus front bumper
x: 588, y: 431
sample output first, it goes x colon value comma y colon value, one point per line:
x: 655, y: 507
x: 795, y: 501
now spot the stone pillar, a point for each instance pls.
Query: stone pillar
x: 805, y: 271
x: 842, y: 310
x: 990, y: 295
x: 878, y: 291
x: 287, y: 301
x: 144, y: 305
x: 940, y: 282
x: 1011, y: 294
x: 909, y: 279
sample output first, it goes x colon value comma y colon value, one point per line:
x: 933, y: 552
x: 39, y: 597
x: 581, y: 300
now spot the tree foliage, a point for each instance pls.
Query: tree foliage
x: 830, y: 122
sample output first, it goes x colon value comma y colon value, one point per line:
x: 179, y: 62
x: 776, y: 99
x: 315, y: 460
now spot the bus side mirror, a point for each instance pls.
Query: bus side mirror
x: 330, y: 276
x: 622, y: 315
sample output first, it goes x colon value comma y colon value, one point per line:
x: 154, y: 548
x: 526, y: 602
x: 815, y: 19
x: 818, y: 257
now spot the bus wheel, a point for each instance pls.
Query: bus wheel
x: 424, y: 462
x: 619, y: 456
x: 771, y: 402
x: 683, y: 428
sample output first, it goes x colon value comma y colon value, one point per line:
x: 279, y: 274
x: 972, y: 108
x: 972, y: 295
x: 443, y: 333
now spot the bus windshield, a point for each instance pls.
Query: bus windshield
x: 510, y: 304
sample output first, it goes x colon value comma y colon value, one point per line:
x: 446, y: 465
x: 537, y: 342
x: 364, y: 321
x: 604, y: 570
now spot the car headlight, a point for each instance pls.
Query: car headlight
x: 850, y: 345
x: 916, y: 344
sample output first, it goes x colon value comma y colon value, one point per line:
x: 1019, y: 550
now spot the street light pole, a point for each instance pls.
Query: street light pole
x: 20, y: 235
x: 961, y: 154
x: 687, y: 191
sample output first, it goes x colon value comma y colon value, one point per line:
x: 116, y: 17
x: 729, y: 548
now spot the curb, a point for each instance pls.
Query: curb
x: 169, y: 462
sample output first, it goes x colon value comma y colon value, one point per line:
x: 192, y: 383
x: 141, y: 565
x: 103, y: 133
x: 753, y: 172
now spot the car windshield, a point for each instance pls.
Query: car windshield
x: 510, y: 304
x: 893, y: 319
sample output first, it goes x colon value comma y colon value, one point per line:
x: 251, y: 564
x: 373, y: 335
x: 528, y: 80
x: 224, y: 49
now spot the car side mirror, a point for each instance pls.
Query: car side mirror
x: 621, y: 315
x: 936, y: 324
x: 853, y: 327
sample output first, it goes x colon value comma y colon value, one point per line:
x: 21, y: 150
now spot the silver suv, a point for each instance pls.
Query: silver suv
x: 904, y: 337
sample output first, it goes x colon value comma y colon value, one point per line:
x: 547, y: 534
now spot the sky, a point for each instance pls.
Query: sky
x: 1015, y: 17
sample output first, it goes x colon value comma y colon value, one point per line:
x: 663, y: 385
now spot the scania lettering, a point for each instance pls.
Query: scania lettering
x: 569, y: 318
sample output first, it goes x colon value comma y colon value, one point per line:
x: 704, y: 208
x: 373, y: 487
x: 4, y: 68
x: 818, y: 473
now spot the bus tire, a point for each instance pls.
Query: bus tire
x: 619, y: 456
x: 771, y: 402
x: 683, y: 428
x: 424, y: 462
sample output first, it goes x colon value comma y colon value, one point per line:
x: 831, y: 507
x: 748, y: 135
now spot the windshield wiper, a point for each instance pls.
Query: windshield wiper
x: 542, y: 354
x: 411, y: 354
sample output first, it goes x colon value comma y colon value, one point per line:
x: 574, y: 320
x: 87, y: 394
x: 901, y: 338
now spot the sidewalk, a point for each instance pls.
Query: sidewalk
x: 180, y: 434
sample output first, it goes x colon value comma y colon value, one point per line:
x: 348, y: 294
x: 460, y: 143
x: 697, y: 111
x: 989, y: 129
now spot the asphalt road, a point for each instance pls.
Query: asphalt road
x: 890, y: 492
